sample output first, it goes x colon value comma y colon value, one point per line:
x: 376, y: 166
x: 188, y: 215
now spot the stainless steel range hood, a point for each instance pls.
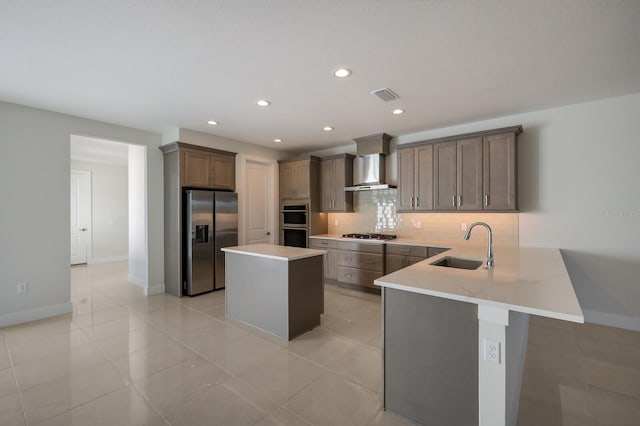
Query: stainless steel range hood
x: 369, y: 170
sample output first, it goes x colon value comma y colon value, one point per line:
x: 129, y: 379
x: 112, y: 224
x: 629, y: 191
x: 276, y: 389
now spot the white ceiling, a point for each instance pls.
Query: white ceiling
x: 159, y: 65
x: 101, y: 151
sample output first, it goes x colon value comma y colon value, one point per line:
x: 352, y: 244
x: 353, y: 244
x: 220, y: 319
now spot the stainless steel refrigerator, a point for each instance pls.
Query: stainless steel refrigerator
x: 211, y: 223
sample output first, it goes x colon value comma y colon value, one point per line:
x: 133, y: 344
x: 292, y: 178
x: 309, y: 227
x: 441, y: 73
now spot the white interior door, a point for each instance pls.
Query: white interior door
x: 80, y: 215
x: 259, y: 203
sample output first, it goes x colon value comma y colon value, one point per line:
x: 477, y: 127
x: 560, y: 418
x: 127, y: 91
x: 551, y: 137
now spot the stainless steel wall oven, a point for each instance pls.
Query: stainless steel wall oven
x: 294, y: 237
x: 294, y: 216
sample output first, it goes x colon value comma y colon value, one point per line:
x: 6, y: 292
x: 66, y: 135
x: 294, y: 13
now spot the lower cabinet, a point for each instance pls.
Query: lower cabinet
x: 360, y: 263
x: 400, y: 256
x: 330, y: 259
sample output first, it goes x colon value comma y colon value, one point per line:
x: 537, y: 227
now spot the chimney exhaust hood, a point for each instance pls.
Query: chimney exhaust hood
x: 369, y: 171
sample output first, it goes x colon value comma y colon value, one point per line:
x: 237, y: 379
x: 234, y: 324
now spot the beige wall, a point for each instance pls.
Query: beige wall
x: 34, y: 169
x: 375, y: 211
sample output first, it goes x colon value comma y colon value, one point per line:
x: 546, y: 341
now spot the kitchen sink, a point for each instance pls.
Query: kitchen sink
x: 458, y: 263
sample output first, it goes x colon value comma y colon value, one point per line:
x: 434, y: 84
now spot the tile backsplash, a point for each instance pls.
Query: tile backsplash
x: 375, y: 211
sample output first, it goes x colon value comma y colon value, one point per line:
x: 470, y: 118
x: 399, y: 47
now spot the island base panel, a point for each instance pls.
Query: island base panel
x: 256, y: 292
x: 430, y: 358
x: 284, y: 298
x: 306, y: 294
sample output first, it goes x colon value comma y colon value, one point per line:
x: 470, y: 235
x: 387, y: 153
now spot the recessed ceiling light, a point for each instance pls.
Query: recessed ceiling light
x: 277, y: 140
x: 263, y: 102
x: 327, y: 128
x: 342, y: 72
x: 398, y: 111
x: 212, y: 122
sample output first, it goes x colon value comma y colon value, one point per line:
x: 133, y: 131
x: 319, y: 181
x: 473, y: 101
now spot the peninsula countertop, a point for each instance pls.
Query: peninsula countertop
x: 277, y: 252
x: 524, y: 279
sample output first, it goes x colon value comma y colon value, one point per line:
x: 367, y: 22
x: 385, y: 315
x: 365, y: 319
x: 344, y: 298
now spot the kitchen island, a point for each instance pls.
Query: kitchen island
x: 275, y: 288
x: 455, y: 339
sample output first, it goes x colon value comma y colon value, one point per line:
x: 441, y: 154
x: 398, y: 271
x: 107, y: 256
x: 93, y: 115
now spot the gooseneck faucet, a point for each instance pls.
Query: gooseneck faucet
x: 490, y: 242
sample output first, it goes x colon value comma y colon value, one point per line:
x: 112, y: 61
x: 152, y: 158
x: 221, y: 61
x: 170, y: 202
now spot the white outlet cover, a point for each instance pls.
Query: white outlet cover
x: 491, y: 351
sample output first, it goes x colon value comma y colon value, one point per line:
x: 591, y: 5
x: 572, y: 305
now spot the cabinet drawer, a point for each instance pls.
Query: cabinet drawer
x: 355, y: 259
x: 407, y: 250
x: 322, y: 243
x: 357, y: 246
x: 432, y: 251
x: 357, y: 276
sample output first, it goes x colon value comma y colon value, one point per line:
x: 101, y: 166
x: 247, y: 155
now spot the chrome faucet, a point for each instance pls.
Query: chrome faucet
x: 490, y: 242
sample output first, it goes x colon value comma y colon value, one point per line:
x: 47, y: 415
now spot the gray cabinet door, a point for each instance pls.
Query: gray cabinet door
x: 327, y: 184
x: 394, y: 262
x: 406, y: 179
x: 469, y: 174
x: 423, y: 178
x: 331, y: 271
x: 444, y: 175
x: 500, y: 180
x: 302, y: 184
x: 286, y: 180
x: 335, y: 175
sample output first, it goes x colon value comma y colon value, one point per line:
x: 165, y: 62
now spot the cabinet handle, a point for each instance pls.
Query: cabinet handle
x: 348, y: 275
x: 405, y: 250
x: 324, y: 244
x: 417, y: 204
x: 370, y: 262
x: 411, y: 201
x: 348, y: 259
x: 459, y: 200
x: 486, y: 199
x: 454, y: 200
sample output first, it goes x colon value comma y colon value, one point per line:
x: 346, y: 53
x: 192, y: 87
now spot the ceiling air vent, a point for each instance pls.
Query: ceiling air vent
x: 385, y: 94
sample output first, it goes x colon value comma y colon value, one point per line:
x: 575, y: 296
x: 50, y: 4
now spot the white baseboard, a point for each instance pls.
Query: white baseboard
x: 35, y: 314
x: 154, y: 289
x: 612, y: 320
x: 134, y: 279
x: 108, y: 259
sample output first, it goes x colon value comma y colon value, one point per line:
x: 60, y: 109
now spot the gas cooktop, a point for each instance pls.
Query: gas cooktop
x: 370, y: 236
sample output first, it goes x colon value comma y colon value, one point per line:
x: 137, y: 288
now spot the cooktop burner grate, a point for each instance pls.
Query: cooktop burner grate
x: 370, y: 236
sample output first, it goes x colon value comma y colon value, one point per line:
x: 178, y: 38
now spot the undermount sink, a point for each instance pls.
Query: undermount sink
x: 458, y: 263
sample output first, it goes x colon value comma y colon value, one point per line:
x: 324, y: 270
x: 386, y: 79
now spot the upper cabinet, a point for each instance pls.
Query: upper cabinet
x: 299, y: 179
x: 336, y: 173
x: 458, y: 175
x: 415, y: 178
x: 203, y: 168
x: 471, y: 172
x: 499, y: 172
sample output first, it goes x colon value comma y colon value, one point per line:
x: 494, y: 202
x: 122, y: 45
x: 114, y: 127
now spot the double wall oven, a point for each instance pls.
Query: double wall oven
x: 294, y: 224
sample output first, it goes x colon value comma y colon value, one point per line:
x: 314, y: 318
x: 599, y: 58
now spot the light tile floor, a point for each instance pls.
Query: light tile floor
x: 125, y: 359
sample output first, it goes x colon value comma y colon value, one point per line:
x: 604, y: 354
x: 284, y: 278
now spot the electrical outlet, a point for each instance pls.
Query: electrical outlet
x: 336, y: 222
x: 22, y: 288
x: 418, y: 224
x: 463, y: 227
x: 492, y: 351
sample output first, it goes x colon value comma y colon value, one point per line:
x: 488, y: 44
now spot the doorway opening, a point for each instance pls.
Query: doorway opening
x: 108, y: 204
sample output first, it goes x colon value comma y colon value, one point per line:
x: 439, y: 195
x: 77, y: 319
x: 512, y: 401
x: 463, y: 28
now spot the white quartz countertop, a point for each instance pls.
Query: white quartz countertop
x: 271, y: 251
x: 524, y: 279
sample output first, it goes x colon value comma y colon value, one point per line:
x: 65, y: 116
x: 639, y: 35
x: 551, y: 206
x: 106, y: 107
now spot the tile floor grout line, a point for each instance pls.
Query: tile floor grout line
x: 15, y: 379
